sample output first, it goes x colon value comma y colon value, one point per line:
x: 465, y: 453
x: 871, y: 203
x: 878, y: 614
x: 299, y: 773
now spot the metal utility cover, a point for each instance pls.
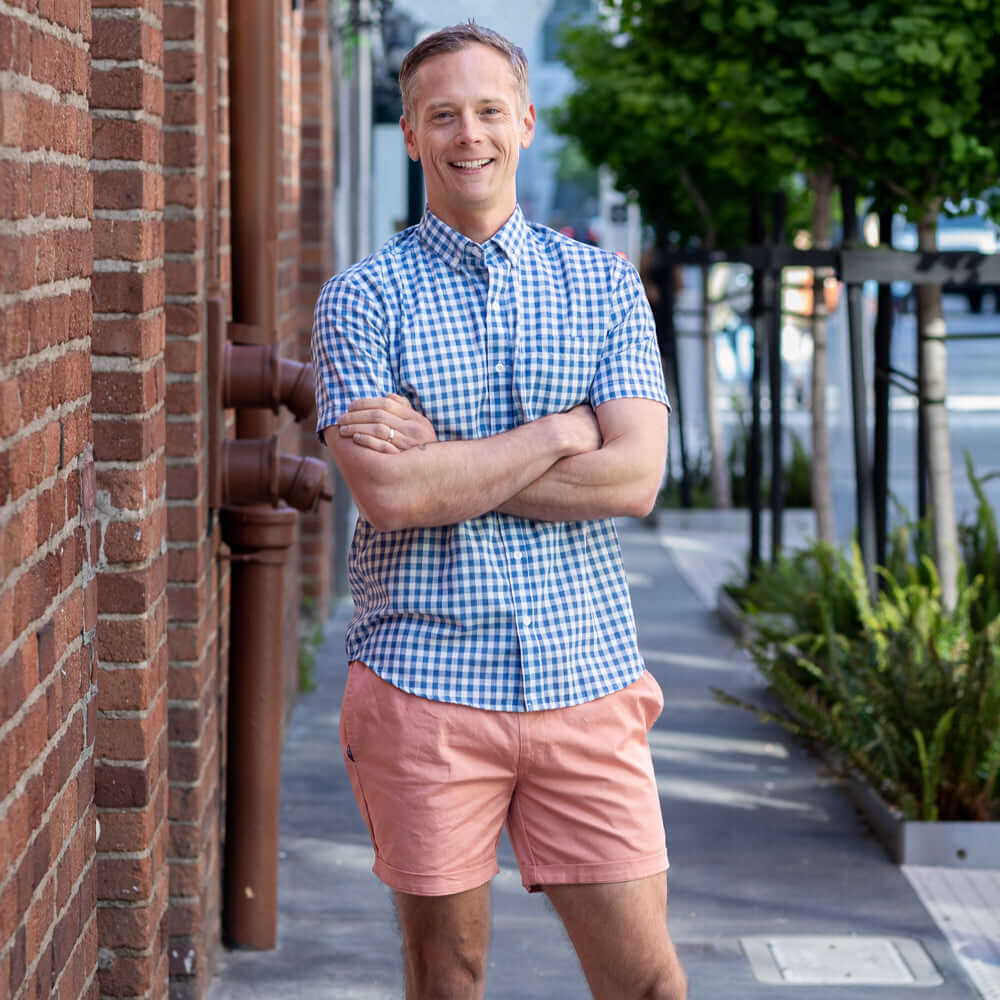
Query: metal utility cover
x: 840, y: 961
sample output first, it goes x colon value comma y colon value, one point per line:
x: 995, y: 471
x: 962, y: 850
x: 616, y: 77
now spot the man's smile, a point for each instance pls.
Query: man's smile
x: 471, y: 164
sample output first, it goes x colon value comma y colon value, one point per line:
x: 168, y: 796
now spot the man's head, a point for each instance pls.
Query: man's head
x: 466, y: 117
x: 461, y: 36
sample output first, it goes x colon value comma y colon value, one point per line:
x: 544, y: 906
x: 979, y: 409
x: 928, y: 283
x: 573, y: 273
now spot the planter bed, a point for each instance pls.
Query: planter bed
x: 949, y: 844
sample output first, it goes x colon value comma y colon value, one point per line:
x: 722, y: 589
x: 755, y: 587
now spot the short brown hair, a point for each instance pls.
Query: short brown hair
x: 461, y: 36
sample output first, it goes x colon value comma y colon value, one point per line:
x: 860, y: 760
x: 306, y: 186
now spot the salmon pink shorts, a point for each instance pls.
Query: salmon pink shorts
x: 436, y: 783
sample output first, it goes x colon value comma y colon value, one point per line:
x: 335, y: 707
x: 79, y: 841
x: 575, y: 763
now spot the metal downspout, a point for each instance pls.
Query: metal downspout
x: 259, y: 535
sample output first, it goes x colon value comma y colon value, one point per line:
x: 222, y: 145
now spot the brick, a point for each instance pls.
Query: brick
x: 136, y: 337
x: 10, y: 407
x: 122, y: 786
x: 134, y: 541
x: 127, y: 239
x: 118, y: 391
x: 125, y: 592
x: 184, y: 397
x: 128, y: 291
x: 119, y: 439
x: 126, y: 39
x: 126, y: 927
x: 128, y: 88
x: 133, y: 640
x: 121, y: 139
x: 132, y: 488
x: 123, y: 190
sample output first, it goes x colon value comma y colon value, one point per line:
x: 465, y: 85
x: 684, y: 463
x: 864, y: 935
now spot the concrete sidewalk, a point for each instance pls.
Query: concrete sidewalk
x: 762, y: 843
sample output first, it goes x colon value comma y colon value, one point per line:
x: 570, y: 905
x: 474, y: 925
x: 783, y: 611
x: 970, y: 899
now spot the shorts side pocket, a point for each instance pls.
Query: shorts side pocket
x: 354, y: 754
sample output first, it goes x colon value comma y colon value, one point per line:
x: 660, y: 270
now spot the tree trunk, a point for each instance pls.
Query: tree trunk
x: 821, y: 480
x: 718, y: 473
x: 933, y: 393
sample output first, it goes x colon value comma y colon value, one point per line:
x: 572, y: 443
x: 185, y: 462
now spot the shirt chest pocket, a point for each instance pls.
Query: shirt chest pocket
x: 554, y: 369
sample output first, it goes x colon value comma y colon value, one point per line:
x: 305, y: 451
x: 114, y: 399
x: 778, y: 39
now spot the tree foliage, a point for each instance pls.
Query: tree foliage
x: 694, y: 103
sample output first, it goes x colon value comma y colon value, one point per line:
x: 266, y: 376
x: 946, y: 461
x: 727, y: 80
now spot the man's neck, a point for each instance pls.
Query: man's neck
x: 477, y: 227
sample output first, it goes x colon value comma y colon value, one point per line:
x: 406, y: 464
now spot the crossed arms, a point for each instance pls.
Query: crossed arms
x: 578, y: 465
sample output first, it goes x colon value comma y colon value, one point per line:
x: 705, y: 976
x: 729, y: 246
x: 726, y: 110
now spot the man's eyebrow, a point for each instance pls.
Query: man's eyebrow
x: 433, y: 105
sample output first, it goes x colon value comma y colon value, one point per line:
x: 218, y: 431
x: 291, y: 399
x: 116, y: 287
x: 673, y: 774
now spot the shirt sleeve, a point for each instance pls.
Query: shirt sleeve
x: 630, y: 364
x: 350, y: 350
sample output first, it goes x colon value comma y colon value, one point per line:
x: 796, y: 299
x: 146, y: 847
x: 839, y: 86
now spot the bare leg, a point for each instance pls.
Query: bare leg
x: 619, y: 931
x: 445, y: 941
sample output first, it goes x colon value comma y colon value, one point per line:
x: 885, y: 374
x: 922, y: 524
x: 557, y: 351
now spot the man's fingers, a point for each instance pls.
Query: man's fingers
x: 379, y: 432
x: 374, y: 443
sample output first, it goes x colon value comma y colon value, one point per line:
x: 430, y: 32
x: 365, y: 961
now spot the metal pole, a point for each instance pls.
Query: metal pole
x: 923, y: 473
x: 779, y: 212
x: 754, y: 458
x: 666, y: 334
x: 862, y: 474
x: 883, y: 361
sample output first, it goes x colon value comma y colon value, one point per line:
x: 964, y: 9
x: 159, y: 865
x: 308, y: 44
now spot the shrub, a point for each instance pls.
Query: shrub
x: 901, y: 690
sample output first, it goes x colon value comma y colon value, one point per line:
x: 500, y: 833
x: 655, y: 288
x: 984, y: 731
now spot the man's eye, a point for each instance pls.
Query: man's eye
x: 442, y: 116
x: 491, y: 111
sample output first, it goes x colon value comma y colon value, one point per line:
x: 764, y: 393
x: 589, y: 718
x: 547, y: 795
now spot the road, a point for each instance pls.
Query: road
x: 973, y: 399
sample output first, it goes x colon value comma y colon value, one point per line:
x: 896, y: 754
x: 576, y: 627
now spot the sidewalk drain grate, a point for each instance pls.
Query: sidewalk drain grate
x: 840, y: 961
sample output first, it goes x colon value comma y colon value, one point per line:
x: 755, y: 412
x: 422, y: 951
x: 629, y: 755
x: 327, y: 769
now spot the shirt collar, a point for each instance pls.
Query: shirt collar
x: 451, y: 245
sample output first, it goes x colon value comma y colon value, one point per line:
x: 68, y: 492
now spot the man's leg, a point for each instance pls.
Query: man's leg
x: 619, y: 931
x: 445, y: 941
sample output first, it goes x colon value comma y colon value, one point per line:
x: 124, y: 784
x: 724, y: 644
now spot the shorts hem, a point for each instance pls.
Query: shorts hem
x: 415, y: 884
x: 534, y: 878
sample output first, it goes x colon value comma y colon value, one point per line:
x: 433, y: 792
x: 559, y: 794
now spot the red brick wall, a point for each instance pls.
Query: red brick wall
x: 114, y: 230
x: 288, y: 318
x: 48, y: 940
x: 315, y: 266
x: 130, y: 430
x: 194, y: 669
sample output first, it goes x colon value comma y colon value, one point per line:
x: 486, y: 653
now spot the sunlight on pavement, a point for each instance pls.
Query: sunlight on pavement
x: 719, y: 795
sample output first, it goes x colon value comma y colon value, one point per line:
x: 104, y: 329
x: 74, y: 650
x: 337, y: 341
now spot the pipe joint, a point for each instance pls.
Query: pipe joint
x: 257, y: 376
x: 254, y: 471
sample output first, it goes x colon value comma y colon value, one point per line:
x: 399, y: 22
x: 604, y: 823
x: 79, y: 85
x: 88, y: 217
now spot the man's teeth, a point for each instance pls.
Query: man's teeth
x: 470, y: 164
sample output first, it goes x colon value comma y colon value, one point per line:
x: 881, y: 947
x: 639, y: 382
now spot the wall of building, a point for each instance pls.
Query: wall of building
x: 114, y: 600
x: 52, y: 538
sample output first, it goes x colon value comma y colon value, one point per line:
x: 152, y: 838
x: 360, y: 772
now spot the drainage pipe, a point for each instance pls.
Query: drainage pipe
x: 259, y: 537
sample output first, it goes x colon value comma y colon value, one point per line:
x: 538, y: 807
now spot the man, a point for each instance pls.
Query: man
x: 492, y: 394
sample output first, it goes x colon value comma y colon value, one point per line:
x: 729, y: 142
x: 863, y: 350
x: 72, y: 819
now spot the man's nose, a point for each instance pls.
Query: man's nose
x: 469, y: 129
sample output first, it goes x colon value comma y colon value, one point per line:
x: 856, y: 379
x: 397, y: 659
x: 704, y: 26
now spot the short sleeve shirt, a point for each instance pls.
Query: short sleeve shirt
x: 498, y: 612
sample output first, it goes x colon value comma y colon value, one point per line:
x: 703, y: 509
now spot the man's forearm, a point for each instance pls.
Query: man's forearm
x: 446, y: 482
x: 586, y: 487
x: 620, y: 479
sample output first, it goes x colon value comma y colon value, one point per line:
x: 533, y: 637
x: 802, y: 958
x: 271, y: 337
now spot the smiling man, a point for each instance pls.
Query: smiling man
x: 493, y: 396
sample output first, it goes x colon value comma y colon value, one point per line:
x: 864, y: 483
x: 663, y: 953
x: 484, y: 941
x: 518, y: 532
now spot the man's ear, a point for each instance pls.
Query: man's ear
x: 528, y: 127
x: 410, y: 140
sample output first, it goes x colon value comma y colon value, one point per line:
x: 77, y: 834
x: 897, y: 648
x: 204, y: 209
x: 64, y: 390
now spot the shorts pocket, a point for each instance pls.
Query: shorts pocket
x: 651, y: 698
x: 354, y: 753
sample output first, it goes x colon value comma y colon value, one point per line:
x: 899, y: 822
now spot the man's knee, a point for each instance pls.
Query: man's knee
x: 668, y: 983
x: 445, y: 973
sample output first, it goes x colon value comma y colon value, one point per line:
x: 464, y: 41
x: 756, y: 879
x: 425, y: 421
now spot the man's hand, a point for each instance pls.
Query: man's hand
x: 387, y: 424
x: 390, y: 425
x: 587, y: 431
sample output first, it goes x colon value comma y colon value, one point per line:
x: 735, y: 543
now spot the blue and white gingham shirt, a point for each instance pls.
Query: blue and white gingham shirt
x: 498, y: 612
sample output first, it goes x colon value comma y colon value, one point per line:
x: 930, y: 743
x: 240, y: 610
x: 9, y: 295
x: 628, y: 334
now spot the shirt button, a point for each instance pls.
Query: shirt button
x: 500, y: 367
x: 526, y: 622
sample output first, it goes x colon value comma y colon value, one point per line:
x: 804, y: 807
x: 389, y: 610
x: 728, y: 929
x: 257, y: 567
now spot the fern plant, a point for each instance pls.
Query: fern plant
x: 904, y: 692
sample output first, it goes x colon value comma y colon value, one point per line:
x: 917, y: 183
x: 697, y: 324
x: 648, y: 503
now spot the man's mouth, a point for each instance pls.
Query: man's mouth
x: 471, y: 164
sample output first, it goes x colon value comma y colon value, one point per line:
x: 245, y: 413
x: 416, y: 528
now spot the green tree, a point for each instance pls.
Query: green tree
x: 693, y: 103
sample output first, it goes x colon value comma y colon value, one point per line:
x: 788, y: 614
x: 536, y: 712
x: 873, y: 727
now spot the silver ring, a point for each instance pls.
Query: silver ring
x: 391, y: 434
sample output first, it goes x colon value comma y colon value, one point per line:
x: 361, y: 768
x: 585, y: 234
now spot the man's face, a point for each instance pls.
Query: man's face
x: 467, y: 131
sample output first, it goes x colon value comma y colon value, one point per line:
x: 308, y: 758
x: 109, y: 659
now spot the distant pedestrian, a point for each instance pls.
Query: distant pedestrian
x: 492, y: 393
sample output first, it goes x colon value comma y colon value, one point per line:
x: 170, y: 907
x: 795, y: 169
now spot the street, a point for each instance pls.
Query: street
x: 973, y: 400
